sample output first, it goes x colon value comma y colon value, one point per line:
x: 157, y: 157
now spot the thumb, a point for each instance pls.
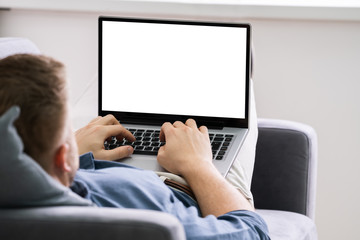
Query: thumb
x: 161, y: 155
x: 116, y: 153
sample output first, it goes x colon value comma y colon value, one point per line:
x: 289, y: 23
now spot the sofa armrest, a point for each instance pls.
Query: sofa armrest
x: 88, y: 223
x: 285, y: 168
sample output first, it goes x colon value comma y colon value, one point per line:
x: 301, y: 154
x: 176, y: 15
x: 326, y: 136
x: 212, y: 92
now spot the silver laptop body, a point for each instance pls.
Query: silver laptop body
x: 156, y: 71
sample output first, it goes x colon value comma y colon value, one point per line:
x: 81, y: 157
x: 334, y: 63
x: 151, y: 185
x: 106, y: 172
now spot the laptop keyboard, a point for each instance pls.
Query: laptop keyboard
x: 148, y: 142
x: 220, y: 144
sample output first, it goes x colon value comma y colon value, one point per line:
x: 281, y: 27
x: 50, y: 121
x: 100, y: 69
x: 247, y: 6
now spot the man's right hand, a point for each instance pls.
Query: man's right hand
x: 187, y: 152
x: 187, y: 147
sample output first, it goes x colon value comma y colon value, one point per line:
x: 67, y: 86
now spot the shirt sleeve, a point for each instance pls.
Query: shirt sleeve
x: 86, y: 161
x: 141, y: 189
x: 241, y: 224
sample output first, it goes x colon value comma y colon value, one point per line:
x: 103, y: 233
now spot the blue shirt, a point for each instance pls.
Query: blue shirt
x: 113, y: 184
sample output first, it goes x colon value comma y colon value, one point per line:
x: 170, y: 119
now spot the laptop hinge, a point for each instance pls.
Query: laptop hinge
x: 215, y: 125
x: 211, y: 126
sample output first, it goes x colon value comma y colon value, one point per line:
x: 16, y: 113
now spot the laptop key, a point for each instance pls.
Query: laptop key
x: 155, y: 144
x: 145, y: 152
x: 112, y: 146
x: 219, y: 158
x: 137, y: 148
x: 218, y: 139
x: 221, y: 153
x: 216, y: 145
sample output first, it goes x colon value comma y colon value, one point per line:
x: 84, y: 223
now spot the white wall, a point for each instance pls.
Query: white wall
x: 68, y: 37
x: 306, y: 71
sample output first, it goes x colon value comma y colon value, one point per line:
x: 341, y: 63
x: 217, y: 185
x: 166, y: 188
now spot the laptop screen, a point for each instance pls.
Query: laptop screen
x: 171, y: 68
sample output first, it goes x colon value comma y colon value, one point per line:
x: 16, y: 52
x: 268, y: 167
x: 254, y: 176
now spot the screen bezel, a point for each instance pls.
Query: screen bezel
x: 158, y: 119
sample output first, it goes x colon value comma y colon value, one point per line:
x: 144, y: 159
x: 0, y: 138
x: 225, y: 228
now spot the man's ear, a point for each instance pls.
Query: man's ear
x: 61, y: 155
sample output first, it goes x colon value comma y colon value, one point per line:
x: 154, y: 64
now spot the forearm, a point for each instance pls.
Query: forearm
x: 214, y: 194
x: 187, y: 152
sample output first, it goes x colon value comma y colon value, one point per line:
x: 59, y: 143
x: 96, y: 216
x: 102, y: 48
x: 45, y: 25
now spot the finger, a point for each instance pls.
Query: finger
x: 163, y: 130
x: 160, y: 154
x: 116, y: 153
x: 178, y: 124
x: 118, y: 131
x: 204, y: 130
x: 108, y: 120
x: 95, y: 119
x: 191, y: 123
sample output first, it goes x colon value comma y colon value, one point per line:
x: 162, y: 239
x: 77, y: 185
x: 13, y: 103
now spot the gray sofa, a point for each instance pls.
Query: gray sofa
x: 284, y: 178
x: 284, y: 188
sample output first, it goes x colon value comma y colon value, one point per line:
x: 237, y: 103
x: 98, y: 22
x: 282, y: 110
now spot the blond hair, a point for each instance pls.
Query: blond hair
x: 37, y: 85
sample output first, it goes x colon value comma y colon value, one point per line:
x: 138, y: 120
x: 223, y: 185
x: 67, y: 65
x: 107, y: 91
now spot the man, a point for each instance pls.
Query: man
x: 216, y: 210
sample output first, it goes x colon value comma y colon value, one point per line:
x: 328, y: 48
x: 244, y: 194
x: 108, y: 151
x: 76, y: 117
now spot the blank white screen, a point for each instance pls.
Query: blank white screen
x: 174, y: 69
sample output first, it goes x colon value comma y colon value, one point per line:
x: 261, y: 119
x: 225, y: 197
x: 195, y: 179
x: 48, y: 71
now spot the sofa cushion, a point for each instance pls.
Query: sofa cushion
x: 10, y: 46
x: 285, y: 225
x: 23, y: 182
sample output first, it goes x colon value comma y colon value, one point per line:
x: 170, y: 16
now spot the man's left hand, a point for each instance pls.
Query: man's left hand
x: 91, y: 138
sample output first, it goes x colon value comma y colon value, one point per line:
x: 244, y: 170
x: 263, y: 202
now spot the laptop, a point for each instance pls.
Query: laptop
x: 156, y: 71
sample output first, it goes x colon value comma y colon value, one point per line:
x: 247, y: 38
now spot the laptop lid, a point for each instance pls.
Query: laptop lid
x: 156, y: 71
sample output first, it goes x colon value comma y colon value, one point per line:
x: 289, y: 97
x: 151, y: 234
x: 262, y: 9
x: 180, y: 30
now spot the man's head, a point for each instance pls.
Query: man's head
x: 37, y: 85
